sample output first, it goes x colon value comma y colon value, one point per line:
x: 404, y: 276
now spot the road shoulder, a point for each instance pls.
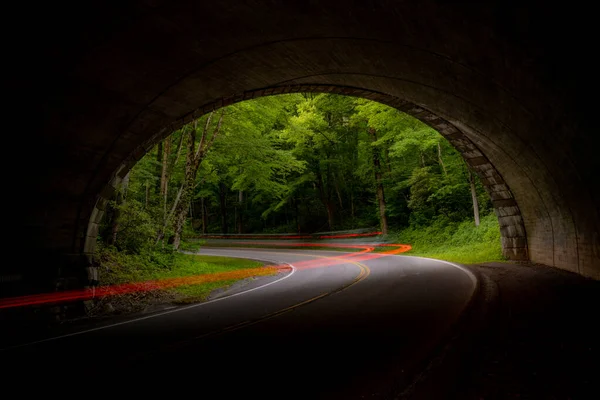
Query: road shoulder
x: 531, y: 332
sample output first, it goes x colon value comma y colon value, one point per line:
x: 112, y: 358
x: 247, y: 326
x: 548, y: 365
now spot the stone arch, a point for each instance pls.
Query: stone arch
x: 512, y: 228
x: 498, y: 81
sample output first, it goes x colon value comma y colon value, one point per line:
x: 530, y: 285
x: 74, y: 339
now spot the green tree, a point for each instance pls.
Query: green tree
x: 299, y: 162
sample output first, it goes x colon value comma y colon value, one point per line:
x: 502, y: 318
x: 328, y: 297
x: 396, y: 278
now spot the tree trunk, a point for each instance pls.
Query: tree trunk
x: 193, y: 160
x: 474, y: 197
x: 121, y: 196
x: 324, y: 196
x: 240, y: 213
x: 167, y: 167
x: 338, y: 191
x: 329, y: 207
x: 223, y: 206
x: 379, y: 183
x: 159, y: 159
x: 168, y: 216
x: 296, y: 215
x: 181, y: 210
x: 164, y: 175
x: 339, y: 197
x: 381, y: 198
x: 202, y: 215
x: 440, y: 159
x: 164, y: 185
x: 206, y: 215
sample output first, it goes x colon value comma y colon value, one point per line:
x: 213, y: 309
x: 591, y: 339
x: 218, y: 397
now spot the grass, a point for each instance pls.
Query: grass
x: 191, y: 264
x: 456, y: 242
x: 468, y: 254
x: 285, y: 247
x: 196, y: 293
x: 118, y: 268
x: 451, y: 241
x: 459, y: 242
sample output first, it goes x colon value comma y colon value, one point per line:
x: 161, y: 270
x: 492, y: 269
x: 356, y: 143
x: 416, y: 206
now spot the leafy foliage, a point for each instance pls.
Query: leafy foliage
x: 302, y: 163
x: 455, y: 241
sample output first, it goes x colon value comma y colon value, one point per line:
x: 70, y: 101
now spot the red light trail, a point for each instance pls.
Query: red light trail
x: 339, y: 236
x: 101, y: 291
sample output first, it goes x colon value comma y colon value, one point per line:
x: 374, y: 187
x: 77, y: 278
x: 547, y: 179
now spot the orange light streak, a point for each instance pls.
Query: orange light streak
x: 102, y: 291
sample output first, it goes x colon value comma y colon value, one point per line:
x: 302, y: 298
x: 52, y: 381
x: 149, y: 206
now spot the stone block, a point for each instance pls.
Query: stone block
x: 512, y: 231
x: 508, y: 211
x: 514, y: 242
x: 516, y: 253
x: 92, y: 229
x: 477, y: 161
x: 510, y: 220
x: 500, y: 195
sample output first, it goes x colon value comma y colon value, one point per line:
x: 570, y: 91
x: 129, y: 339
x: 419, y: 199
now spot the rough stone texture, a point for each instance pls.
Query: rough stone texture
x: 502, y: 83
x: 514, y: 238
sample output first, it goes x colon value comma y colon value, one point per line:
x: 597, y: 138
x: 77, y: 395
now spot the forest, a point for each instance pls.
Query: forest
x: 301, y: 163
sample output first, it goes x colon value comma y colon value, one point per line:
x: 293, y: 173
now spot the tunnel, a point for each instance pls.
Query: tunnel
x: 95, y: 86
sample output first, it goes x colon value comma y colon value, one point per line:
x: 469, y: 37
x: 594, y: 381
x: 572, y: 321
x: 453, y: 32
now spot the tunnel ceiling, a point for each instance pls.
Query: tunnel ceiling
x: 94, y: 86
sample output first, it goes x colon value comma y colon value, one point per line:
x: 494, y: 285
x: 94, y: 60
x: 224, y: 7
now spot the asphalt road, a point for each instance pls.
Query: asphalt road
x: 338, y: 326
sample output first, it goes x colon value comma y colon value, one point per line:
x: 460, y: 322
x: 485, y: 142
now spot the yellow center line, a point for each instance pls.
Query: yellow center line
x: 364, y: 272
x: 362, y: 275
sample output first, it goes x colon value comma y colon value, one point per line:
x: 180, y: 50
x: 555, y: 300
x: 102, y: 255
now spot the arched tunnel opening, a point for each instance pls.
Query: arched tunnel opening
x: 99, y: 114
x: 534, y: 227
x: 299, y: 170
x: 501, y: 83
x: 104, y: 117
x: 512, y: 229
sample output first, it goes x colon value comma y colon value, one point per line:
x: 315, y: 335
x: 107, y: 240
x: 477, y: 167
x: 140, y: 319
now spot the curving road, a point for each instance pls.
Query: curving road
x: 335, y: 326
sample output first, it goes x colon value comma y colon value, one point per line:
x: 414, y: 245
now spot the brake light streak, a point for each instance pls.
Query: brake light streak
x: 101, y: 291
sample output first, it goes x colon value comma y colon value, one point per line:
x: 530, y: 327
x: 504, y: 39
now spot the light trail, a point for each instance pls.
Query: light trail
x: 338, y: 236
x: 103, y: 291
